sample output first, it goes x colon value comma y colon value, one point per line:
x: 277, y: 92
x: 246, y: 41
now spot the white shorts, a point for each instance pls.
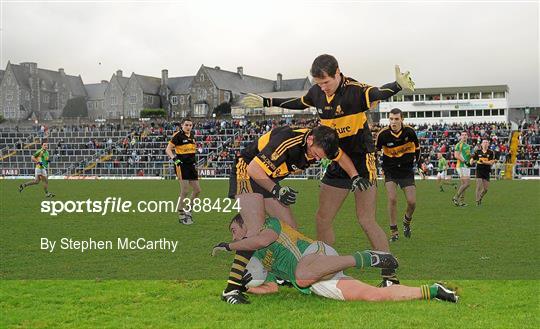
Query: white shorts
x: 326, y: 288
x: 464, y: 172
x: 441, y: 174
x: 41, y: 172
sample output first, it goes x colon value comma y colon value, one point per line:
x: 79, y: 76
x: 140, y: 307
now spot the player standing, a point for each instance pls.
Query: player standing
x: 41, y: 159
x: 484, y: 159
x: 341, y: 103
x: 400, y: 151
x: 462, y: 152
x: 442, y: 168
x: 181, y: 150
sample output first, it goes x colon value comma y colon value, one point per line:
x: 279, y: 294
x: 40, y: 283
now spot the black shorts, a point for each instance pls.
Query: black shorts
x: 483, y: 173
x: 365, y: 164
x: 240, y: 182
x: 186, y: 172
x: 401, y: 178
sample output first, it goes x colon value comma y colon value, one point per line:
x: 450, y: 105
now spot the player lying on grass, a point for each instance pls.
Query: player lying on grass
x: 315, y: 267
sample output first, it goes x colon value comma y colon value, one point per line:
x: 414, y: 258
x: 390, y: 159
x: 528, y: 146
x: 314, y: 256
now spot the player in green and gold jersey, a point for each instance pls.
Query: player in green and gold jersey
x: 41, y: 159
x: 462, y: 153
x: 315, y: 267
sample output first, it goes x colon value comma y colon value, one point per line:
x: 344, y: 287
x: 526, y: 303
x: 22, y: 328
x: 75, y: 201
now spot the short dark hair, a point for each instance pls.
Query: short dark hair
x: 238, y: 220
x: 327, y: 139
x: 395, y: 110
x: 324, y: 64
x: 184, y: 120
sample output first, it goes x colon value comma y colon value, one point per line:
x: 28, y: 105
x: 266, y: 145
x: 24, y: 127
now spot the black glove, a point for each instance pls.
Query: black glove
x: 284, y: 194
x: 222, y: 246
x: 360, y: 183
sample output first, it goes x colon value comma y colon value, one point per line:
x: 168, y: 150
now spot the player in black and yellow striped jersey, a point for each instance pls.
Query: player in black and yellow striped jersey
x: 255, y: 179
x: 400, y: 150
x: 342, y: 103
x: 181, y: 150
x: 484, y: 159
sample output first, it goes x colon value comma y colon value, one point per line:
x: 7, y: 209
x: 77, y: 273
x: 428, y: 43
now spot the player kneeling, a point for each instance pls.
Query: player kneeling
x: 315, y: 267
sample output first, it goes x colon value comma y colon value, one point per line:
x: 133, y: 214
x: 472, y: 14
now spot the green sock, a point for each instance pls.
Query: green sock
x: 428, y: 292
x: 362, y: 258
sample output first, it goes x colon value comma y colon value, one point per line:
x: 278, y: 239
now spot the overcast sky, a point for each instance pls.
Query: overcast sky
x: 442, y: 43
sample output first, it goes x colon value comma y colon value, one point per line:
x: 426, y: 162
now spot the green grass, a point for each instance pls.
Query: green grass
x: 490, y: 252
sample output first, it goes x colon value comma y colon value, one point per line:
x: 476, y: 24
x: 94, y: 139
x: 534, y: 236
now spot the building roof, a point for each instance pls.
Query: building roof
x: 180, y: 85
x: 295, y: 84
x: 455, y: 90
x: 96, y: 91
x: 2, y: 74
x: 149, y: 85
x: 227, y: 80
x: 48, y: 78
x: 123, y: 81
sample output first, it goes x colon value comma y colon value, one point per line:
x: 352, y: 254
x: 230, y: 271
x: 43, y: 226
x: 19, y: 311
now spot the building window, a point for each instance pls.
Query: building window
x: 486, y: 95
x: 486, y: 113
x: 201, y: 77
x: 411, y: 114
x: 453, y: 113
x: 470, y: 113
x: 174, y: 100
x: 463, y: 96
x: 495, y: 112
x: 462, y: 113
x: 437, y: 114
x: 433, y: 97
x: 478, y: 113
x: 475, y: 95
x: 407, y: 98
x: 448, y: 97
x: 9, y: 97
x: 27, y: 96
x: 181, y: 100
x: 227, y: 96
x: 133, y: 99
x: 113, y: 100
x: 501, y: 112
x: 420, y: 114
x: 149, y: 99
x: 45, y: 98
x: 429, y: 114
x: 498, y: 95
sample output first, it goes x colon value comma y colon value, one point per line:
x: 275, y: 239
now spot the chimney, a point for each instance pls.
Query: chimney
x: 278, y: 81
x: 32, y: 67
x: 104, y: 81
x: 240, y: 71
x: 217, y: 68
x: 164, y: 77
x: 119, y: 73
x: 61, y: 71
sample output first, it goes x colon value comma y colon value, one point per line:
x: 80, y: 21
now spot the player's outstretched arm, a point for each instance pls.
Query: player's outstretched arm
x: 254, y: 101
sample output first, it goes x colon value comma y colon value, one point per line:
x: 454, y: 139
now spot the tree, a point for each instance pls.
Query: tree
x: 153, y: 113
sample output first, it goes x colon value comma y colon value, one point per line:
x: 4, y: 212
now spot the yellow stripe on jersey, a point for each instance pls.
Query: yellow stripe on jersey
x: 347, y: 125
x: 288, y: 144
x: 399, y: 151
x: 263, y: 165
x: 303, y: 102
x: 263, y: 141
x: 185, y: 149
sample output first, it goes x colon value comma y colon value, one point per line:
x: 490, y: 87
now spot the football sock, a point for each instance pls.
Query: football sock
x: 241, y: 259
x: 407, y: 220
x: 428, y: 292
x: 362, y: 259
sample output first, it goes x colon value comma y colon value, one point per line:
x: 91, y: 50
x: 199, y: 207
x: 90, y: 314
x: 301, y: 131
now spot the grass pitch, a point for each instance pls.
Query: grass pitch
x: 489, y: 252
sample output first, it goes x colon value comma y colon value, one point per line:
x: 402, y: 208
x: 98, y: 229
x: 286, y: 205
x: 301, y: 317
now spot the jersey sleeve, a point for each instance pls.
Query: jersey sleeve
x: 379, y: 140
x: 375, y: 94
x: 273, y: 224
x: 274, y: 154
x: 176, y: 139
x: 37, y: 153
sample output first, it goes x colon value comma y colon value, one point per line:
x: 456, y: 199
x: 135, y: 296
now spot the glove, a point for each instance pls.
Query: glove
x: 420, y: 171
x: 252, y: 101
x: 40, y: 163
x: 177, y: 162
x: 234, y: 297
x: 404, y: 79
x: 222, y: 246
x: 360, y: 183
x: 284, y: 194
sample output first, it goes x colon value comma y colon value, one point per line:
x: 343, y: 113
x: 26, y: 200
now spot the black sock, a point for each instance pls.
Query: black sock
x: 407, y: 220
x: 241, y: 259
x: 394, y: 229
